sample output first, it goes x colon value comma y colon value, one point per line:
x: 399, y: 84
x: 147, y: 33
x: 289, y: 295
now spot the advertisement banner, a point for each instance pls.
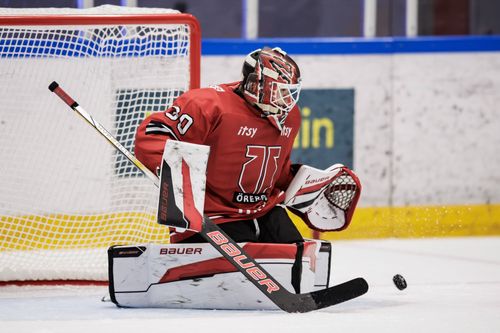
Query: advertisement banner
x: 326, y: 135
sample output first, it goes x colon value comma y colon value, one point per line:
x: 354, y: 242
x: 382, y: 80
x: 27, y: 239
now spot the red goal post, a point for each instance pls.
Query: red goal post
x: 65, y: 196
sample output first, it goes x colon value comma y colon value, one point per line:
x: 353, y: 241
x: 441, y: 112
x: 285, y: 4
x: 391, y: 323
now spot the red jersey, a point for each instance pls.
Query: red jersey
x: 249, y: 164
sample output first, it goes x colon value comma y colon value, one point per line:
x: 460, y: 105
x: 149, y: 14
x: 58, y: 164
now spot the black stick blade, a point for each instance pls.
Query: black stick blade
x: 325, y: 297
x: 340, y: 293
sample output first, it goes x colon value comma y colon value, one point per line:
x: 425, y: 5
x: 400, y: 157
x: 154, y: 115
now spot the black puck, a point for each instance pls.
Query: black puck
x: 399, y: 281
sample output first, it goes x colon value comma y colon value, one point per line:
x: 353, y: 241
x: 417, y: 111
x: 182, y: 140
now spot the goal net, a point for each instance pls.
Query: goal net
x: 66, y: 195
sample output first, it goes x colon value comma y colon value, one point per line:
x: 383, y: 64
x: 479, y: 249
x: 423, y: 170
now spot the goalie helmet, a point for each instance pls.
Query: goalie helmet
x: 271, y: 81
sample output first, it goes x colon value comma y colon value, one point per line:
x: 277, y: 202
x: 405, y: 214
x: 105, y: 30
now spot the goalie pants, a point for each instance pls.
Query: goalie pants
x: 274, y: 227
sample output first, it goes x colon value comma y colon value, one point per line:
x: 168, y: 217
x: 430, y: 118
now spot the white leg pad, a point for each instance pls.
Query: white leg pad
x: 195, y: 276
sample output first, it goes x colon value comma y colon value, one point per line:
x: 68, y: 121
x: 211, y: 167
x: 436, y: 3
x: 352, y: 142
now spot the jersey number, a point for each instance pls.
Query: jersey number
x: 258, y: 173
x: 184, y: 120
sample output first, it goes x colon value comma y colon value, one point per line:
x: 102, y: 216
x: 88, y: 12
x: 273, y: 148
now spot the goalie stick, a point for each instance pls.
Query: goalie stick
x: 252, y: 270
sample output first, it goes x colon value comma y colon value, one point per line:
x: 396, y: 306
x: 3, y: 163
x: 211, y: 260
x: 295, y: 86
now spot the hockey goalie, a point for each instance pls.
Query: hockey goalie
x: 245, y: 183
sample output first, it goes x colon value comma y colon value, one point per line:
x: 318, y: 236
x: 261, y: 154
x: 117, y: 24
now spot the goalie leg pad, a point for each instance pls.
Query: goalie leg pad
x: 196, y: 276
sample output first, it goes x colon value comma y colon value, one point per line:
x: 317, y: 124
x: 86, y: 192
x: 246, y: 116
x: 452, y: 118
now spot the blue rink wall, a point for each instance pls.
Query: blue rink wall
x: 417, y: 119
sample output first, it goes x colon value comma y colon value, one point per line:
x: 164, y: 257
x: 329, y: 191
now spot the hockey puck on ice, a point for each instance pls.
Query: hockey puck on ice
x: 399, y: 281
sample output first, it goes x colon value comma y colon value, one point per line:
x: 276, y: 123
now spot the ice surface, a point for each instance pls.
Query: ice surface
x: 453, y: 286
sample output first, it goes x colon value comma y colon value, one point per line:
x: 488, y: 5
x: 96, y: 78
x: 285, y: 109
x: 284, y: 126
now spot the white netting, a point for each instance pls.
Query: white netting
x: 65, y: 194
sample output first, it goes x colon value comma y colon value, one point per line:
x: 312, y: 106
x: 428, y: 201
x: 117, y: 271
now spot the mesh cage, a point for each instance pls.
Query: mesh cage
x: 342, y: 191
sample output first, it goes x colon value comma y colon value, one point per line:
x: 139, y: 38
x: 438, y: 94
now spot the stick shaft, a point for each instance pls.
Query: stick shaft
x: 56, y: 89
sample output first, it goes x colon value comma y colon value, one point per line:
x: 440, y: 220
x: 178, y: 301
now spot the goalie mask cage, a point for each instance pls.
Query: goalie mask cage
x: 66, y: 195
